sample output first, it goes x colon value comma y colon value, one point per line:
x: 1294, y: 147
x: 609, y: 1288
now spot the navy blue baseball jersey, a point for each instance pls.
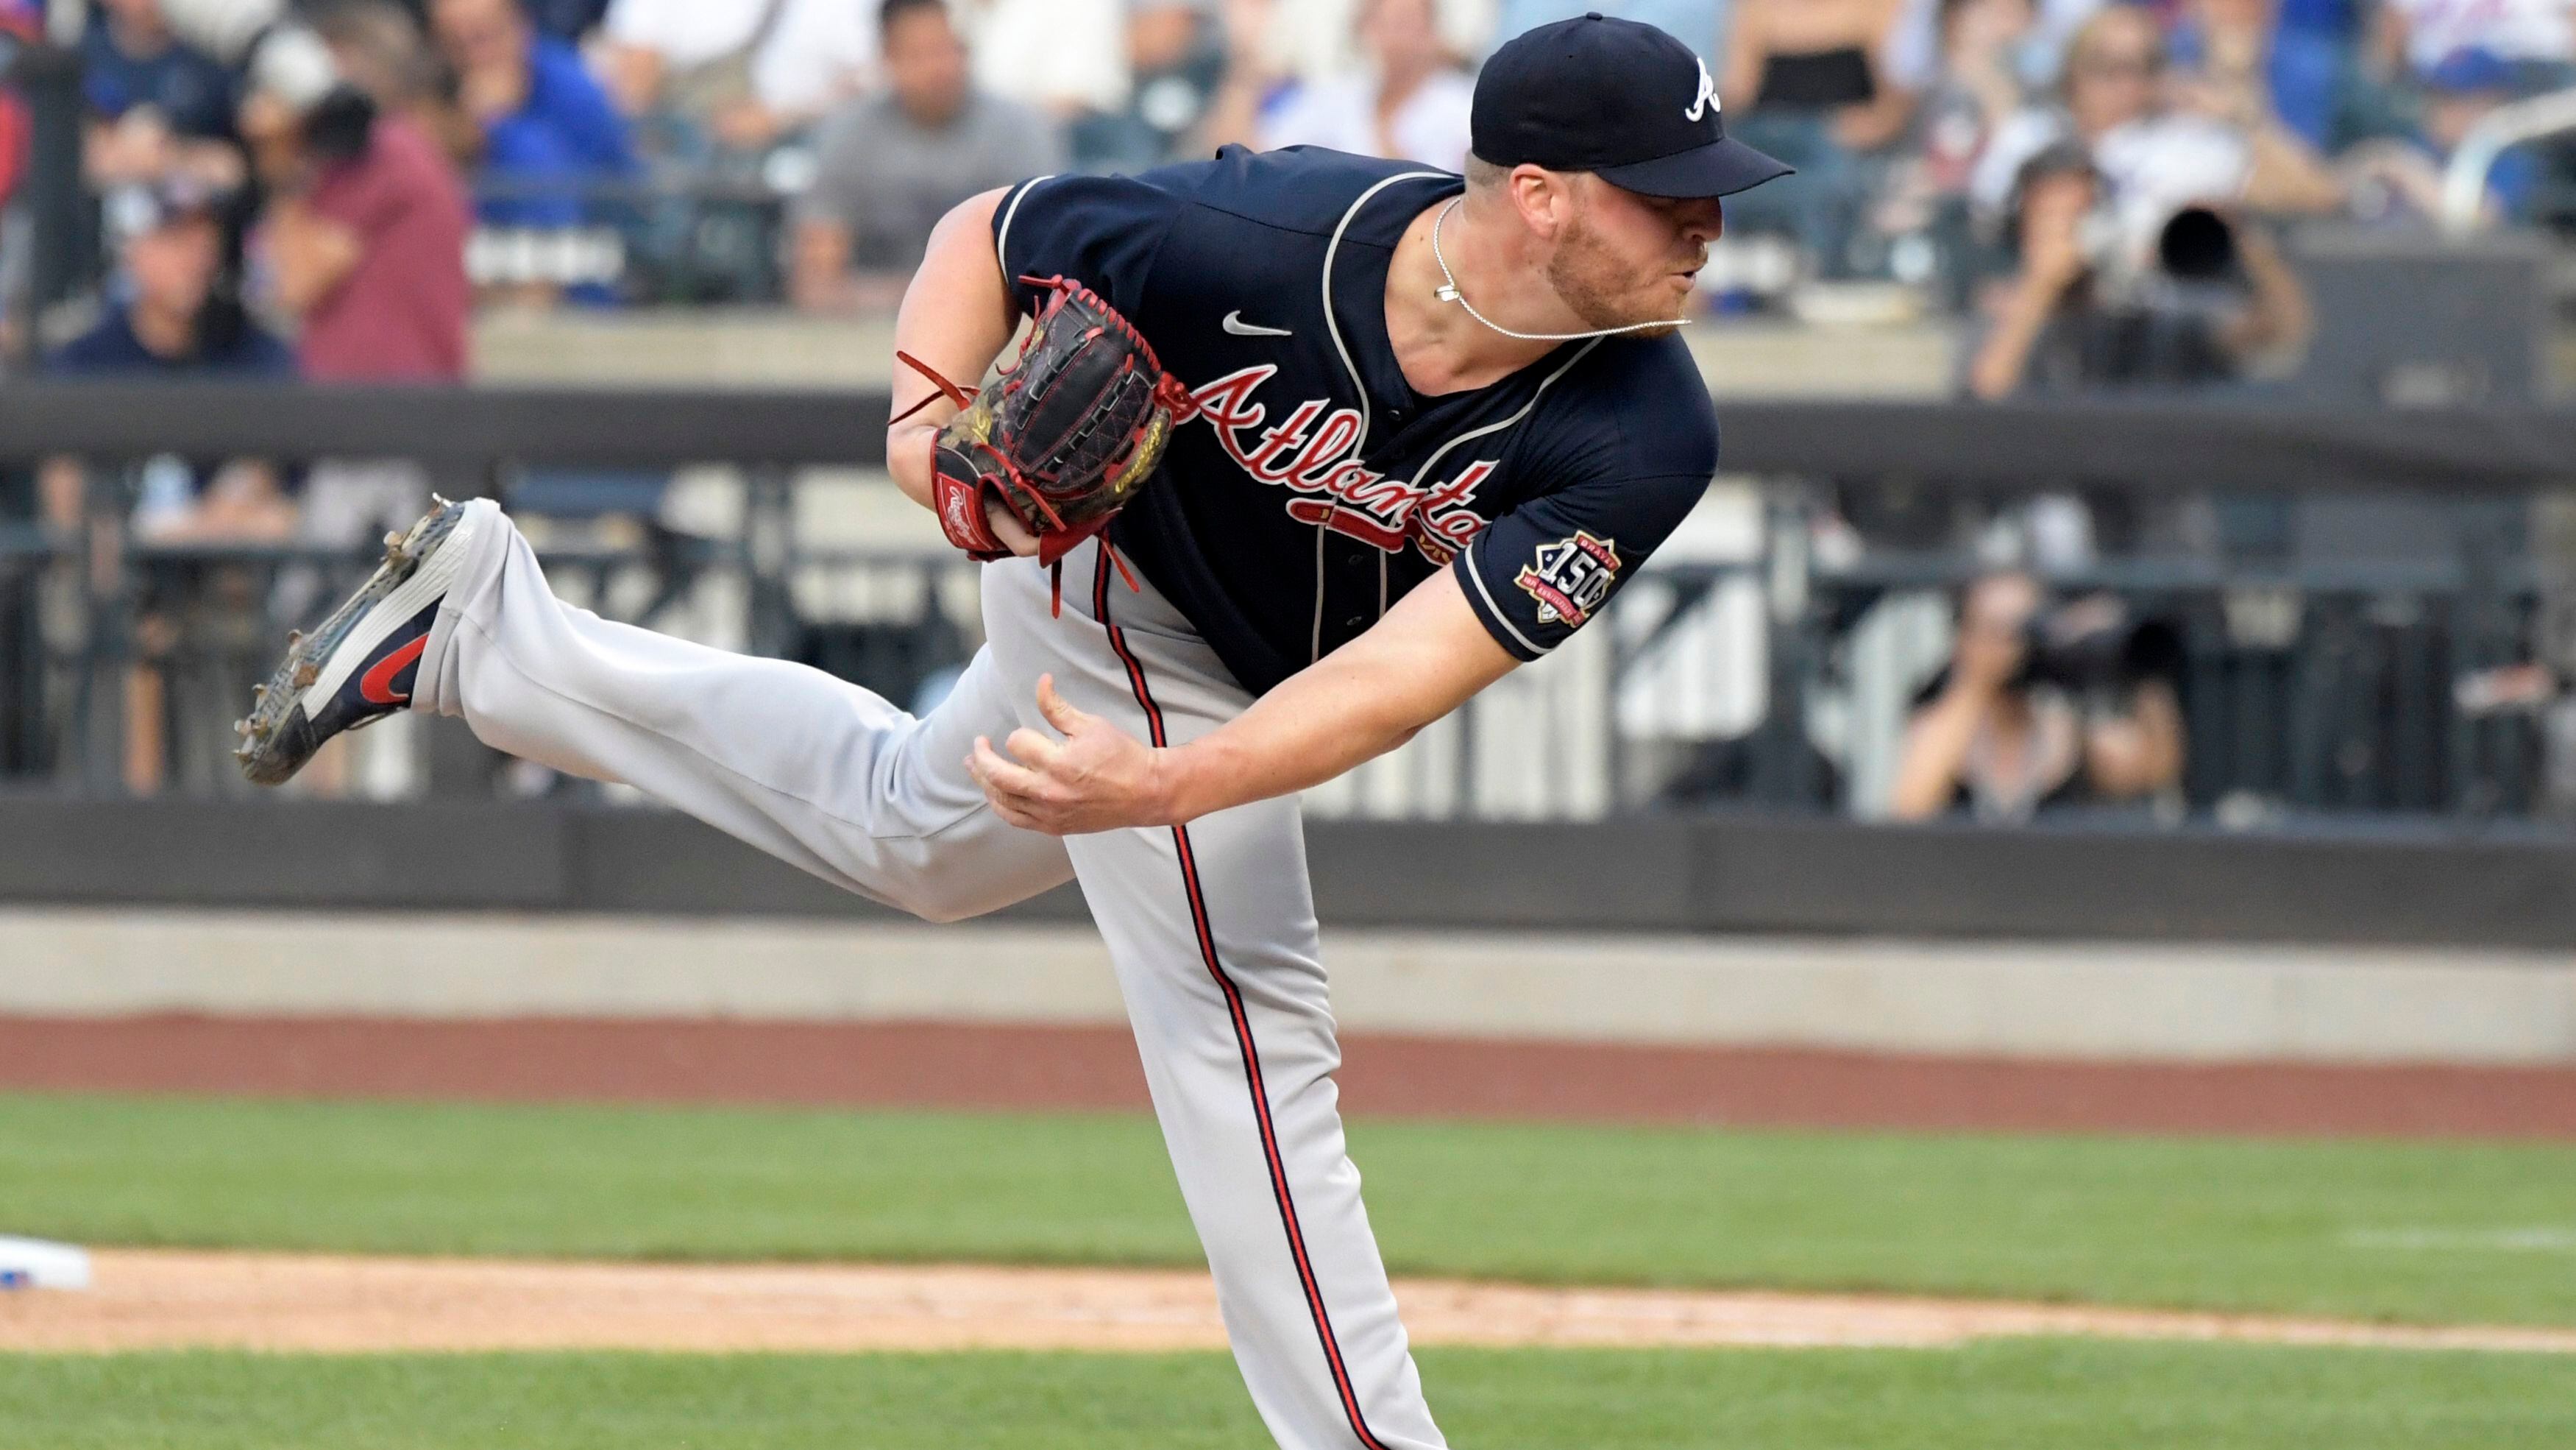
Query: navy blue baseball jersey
x: 1311, y: 486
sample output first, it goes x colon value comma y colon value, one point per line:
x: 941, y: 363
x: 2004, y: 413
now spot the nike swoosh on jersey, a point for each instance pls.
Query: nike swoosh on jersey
x: 1235, y: 324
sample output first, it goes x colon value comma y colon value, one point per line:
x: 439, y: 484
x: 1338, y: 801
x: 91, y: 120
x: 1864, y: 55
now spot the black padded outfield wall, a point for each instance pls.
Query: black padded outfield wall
x: 1681, y: 873
x: 2143, y: 444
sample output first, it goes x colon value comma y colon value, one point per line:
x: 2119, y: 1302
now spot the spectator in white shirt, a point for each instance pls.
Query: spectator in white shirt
x: 743, y: 73
x: 1068, y: 58
x: 1408, y: 101
x: 1318, y: 39
x: 2152, y: 156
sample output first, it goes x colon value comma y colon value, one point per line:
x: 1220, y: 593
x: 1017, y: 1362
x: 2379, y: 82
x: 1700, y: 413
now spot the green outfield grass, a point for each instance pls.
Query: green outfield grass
x: 2413, y: 1231
x: 1995, y: 1397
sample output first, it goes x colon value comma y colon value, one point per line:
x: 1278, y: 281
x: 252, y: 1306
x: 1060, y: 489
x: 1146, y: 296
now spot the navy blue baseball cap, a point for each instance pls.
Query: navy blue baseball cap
x: 1624, y: 101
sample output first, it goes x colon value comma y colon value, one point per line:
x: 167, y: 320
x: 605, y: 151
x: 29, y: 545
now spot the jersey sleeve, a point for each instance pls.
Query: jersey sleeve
x: 1543, y: 570
x: 1631, y: 452
x: 1101, y: 231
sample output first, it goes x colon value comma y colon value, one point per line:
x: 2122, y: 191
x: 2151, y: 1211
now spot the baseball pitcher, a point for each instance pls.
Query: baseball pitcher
x: 1302, y: 451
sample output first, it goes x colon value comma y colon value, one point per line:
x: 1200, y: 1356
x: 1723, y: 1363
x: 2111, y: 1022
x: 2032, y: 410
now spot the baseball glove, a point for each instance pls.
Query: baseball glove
x: 1064, y: 439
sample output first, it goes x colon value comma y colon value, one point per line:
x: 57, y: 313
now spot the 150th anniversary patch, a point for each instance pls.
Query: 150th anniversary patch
x: 1570, y: 578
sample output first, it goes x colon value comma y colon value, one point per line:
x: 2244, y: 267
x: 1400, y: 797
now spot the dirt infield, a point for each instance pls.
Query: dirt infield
x: 934, y: 1065
x: 162, y: 1300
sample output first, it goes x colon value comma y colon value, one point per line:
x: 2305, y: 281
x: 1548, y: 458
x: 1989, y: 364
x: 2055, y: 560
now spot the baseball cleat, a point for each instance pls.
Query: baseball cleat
x: 359, y: 666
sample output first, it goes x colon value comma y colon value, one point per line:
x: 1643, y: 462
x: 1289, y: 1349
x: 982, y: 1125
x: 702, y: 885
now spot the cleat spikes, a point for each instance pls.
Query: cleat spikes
x: 290, y: 718
x: 258, y: 693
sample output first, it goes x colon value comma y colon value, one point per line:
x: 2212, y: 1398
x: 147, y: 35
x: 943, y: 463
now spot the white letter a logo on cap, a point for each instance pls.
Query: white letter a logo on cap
x: 1706, y: 100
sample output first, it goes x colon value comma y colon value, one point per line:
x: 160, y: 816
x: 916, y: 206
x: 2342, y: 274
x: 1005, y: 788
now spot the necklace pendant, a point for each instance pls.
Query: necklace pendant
x: 1447, y: 294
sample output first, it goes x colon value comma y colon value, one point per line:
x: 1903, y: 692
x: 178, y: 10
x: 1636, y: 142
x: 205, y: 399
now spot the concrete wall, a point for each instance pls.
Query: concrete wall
x: 2121, y: 1002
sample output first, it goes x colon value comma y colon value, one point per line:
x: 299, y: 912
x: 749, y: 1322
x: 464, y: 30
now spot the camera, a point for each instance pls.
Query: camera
x: 2136, y: 243
x: 2095, y: 644
x: 2196, y: 244
x: 2194, y: 247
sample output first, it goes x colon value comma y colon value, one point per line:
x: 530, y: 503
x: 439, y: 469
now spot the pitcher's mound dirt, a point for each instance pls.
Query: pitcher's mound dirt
x: 316, y: 1303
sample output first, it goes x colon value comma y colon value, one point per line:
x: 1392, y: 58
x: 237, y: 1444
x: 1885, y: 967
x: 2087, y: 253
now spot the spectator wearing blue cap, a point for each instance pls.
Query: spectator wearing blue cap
x: 171, y: 313
x: 172, y: 318
x: 2459, y: 93
x: 2401, y: 178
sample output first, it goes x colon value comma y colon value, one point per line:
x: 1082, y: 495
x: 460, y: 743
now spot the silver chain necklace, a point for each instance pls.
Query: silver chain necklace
x: 1449, y: 293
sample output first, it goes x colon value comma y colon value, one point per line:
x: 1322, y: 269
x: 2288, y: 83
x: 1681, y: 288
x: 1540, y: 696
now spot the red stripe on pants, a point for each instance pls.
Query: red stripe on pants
x: 1242, y: 1028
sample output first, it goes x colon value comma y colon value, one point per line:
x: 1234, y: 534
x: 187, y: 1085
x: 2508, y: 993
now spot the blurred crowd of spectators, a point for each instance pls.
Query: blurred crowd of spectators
x: 328, y: 188
x: 747, y: 149
x: 2092, y: 179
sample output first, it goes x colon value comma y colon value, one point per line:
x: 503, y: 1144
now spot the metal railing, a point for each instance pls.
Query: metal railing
x: 677, y: 235
x: 1769, y: 674
x: 2464, y: 178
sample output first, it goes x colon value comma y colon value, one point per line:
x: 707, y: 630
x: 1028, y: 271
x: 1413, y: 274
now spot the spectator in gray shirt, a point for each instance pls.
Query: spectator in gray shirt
x: 890, y: 165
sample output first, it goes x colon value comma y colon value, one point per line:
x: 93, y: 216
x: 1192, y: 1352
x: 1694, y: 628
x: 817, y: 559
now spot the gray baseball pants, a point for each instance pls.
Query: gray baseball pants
x: 1211, y: 926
